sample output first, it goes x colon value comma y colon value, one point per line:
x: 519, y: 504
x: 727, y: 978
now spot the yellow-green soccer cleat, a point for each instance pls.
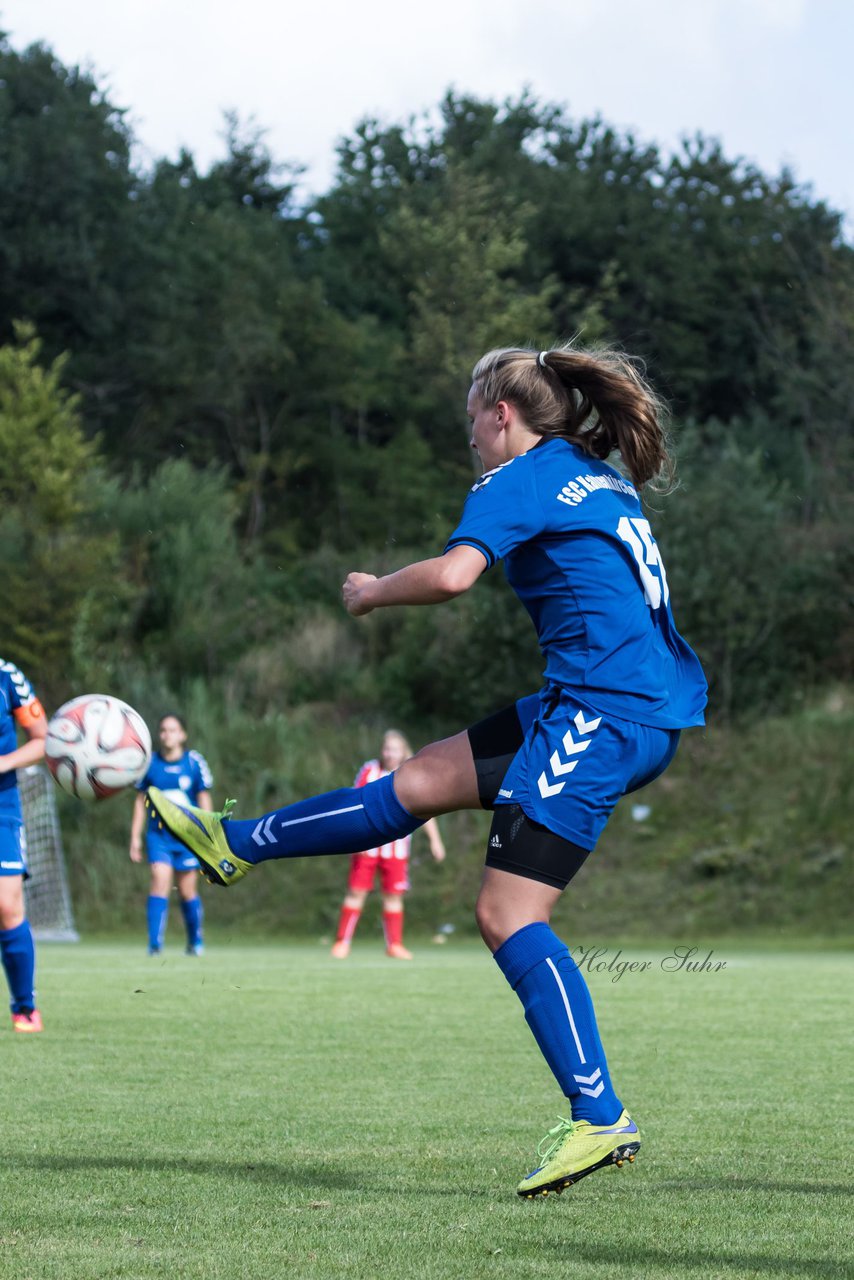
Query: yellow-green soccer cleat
x: 571, y: 1151
x: 202, y: 834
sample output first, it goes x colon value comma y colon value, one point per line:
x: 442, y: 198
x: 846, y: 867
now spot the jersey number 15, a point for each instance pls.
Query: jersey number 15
x: 638, y: 535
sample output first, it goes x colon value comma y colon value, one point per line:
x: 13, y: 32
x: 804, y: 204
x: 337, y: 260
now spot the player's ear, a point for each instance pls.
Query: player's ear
x: 503, y: 413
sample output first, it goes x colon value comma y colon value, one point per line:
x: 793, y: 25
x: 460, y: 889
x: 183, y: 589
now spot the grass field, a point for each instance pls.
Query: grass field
x: 266, y: 1112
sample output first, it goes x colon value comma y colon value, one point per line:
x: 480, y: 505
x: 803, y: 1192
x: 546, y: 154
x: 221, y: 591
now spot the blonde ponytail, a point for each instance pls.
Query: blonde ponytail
x: 598, y: 400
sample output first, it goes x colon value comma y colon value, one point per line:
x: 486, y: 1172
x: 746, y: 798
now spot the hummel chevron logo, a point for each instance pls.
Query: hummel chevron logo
x: 586, y: 726
x: 590, y: 1080
x: 572, y: 747
x: 263, y: 834
x: 19, y: 680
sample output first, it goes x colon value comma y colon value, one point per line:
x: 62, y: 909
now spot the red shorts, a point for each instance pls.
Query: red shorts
x: 394, y: 873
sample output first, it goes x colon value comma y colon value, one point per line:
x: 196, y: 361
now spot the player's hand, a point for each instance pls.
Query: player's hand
x: 438, y: 853
x: 136, y: 853
x: 353, y: 593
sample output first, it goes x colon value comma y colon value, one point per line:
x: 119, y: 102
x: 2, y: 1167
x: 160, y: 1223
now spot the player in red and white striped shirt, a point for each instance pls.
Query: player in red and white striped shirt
x: 390, y: 860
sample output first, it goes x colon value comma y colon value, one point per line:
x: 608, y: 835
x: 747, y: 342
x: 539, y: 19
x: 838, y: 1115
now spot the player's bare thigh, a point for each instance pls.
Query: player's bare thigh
x: 11, y: 901
x: 507, y: 903
x: 439, y: 778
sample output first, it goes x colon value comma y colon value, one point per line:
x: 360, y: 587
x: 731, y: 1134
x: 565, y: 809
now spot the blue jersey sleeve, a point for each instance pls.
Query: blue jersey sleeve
x: 17, y: 691
x: 202, y: 776
x: 502, y: 511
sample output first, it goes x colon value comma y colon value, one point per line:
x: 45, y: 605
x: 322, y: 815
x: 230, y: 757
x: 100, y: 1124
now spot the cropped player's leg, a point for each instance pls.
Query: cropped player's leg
x: 157, y: 907
x: 559, y: 1011
x: 360, y: 881
x: 513, y: 915
x: 395, y: 883
x: 186, y: 878
x: 17, y: 952
x: 438, y: 779
x: 393, y: 927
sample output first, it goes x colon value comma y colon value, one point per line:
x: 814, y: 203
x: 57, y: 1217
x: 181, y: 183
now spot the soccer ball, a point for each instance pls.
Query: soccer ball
x: 97, y: 745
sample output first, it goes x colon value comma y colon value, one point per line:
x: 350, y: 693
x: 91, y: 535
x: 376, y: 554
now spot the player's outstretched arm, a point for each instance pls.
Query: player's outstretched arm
x: 434, y: 835
x: 425, y: 582
x: 137, y: 825
x: 34, y: 724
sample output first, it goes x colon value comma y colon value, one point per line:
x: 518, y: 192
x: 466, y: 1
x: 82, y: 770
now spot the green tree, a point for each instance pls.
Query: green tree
x: 462, y: 261
x: 49, y: 478
x: 65, y: 213
x: 762, y: 600
x: 192, y: 601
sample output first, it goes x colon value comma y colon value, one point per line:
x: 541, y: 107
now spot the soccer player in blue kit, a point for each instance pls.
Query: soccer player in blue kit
x: 19, y: 709
x: 185, y: 777
x: 620, y: 685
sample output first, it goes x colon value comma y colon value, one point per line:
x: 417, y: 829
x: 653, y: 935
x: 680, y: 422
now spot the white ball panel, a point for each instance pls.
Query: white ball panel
x: 64, y: 730
x: 112, y: 725
x: 97, y: 745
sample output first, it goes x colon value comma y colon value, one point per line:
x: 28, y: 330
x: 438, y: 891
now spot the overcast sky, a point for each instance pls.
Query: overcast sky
x: 770, y: 78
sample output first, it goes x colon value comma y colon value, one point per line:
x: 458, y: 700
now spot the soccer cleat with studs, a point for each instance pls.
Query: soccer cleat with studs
x: 570, y: 1151
x: 202, y: 833
x: 28, y: 1021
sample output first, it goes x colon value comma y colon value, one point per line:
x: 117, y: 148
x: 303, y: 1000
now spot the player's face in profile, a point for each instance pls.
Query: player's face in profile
x: 172, y: 736
x: 485, y: 432
x: 392, y: 752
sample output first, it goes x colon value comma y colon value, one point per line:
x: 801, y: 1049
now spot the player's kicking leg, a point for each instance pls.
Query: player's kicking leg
x: 438, y: 779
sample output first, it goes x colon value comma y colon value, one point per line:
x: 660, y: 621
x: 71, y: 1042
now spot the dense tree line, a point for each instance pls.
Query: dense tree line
x: 214, y: 399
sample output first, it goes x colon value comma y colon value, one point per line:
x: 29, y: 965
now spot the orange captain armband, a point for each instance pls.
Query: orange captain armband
x: 29, y: 715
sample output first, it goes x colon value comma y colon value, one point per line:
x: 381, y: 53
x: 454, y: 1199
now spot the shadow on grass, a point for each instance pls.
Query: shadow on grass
x: 247, y: 1170
x: 706, y: 1263
x: 742, y: 1185
x: 299, y: 1176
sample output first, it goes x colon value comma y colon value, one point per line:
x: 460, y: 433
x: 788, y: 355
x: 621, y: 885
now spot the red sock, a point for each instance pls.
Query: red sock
x: 347, y: 922
x: 393, y: 926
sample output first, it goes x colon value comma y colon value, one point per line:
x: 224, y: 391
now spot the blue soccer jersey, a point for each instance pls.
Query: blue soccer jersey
x: 579, y: 553
x: 18, y: 704
x: 181, y: 780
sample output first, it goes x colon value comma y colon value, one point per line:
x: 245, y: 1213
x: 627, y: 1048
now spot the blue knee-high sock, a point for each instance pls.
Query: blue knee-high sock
x: 18, y: 954
x: 157, y: 911
x: 559, y: 1011
x: 344, y: 821
x: 193, y: 913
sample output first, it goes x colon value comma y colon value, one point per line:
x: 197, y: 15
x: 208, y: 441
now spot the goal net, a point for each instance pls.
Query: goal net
x: 47, y: 897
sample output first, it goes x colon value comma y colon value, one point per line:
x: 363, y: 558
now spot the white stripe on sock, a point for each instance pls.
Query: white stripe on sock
x: 331, y: 813
x: 568, y: 1011
x: 351, y: 927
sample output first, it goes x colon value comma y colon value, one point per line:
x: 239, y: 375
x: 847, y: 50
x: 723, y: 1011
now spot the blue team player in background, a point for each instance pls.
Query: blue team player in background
x: 184, y: 775
x: 19, y: 709
x: 621, y: 684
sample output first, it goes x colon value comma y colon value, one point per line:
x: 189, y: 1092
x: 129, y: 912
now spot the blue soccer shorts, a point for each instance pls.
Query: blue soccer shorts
x: 13, y: 847
x: 562, y: 767
x: 175, y: 855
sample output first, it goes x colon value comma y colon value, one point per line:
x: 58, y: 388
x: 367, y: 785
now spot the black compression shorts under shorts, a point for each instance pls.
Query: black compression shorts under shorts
x: 516, y: 843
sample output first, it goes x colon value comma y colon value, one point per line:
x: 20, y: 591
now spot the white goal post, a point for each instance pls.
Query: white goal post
x: 47, y: 897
